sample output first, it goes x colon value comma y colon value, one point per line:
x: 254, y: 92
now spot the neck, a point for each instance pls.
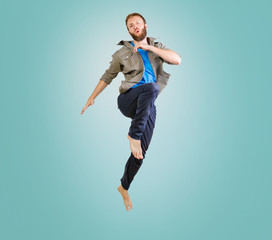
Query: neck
x: 143, y: 41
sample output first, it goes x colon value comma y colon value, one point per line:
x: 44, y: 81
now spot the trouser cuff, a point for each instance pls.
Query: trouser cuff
x: 134, y: 136
x: 124, y: 185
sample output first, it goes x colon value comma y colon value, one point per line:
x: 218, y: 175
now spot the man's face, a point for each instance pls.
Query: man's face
x: 137, y: 28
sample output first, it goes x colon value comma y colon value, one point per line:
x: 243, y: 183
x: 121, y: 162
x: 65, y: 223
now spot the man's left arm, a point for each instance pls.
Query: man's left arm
x: 168, y: 55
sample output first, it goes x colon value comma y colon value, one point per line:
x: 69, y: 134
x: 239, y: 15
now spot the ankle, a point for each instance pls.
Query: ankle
x: 122, y: 189
x: 133, y: 139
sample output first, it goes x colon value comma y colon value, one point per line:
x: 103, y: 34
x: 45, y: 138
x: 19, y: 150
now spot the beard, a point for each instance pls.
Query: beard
x: 140, y: 37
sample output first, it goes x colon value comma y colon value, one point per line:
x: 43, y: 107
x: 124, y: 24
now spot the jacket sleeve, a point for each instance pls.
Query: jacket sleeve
x: 113, y: 69
x: 160, y: 45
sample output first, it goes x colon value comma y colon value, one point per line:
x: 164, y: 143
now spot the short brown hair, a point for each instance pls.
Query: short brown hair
x: 134, y: 14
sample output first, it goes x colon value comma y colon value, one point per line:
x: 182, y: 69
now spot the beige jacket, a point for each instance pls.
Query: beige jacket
x: 131, y: 65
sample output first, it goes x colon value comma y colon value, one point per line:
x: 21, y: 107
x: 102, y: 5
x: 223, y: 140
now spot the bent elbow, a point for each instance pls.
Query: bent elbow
x: 178, y: 61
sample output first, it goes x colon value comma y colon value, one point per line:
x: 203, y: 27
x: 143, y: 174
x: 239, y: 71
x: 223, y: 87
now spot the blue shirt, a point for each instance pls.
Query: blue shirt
x: 149, y: 75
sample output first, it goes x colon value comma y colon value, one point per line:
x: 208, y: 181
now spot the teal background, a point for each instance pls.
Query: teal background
x: 207, y: 173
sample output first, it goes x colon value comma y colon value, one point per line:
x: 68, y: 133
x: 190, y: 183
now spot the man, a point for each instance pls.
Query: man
x: 141, y: 62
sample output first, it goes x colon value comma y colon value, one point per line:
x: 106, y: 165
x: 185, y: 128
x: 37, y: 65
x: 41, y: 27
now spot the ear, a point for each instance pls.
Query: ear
x: 146, y: 26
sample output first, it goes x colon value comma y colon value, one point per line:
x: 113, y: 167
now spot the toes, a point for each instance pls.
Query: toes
x: 130, y: 203
x: 134, y: 154
x: 138, y: 155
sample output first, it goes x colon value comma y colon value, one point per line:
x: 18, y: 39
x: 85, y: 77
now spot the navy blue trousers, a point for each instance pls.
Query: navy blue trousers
x: 138, y: 104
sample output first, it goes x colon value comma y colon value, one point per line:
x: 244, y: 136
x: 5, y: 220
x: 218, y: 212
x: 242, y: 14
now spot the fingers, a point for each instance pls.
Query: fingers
x: 85, y: 107
x: 90, y: 102
x: 83, y: 110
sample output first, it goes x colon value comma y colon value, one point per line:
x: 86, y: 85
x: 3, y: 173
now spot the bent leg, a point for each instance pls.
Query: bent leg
x: 145, y: 103
x: 133, y: 164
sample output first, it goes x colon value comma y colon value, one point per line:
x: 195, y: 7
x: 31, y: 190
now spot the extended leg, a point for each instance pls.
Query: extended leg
x: 128, y: 104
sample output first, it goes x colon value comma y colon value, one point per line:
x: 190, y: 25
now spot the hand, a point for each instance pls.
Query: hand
x: 143, y: 46
x: 89, y: 102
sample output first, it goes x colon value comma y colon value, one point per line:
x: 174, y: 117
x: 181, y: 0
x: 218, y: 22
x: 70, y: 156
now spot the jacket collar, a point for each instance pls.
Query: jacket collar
x: 150, y: 41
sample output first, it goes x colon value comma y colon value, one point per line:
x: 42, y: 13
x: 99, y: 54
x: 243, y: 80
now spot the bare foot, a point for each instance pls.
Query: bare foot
x: 135, y: 146
x: 127, y: 200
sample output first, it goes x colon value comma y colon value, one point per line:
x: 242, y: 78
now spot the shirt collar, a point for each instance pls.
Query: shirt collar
x: 150, y: 41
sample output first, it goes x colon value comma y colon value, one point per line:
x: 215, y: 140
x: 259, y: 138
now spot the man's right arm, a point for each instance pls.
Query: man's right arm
x: 113, y: 70
x: 99, y: 88
x: 105, y: 80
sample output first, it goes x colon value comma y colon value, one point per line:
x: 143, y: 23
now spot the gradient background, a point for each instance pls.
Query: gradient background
x: 207, y: 173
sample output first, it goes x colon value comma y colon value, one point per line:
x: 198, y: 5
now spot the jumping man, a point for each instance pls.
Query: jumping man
x: 141, y: 62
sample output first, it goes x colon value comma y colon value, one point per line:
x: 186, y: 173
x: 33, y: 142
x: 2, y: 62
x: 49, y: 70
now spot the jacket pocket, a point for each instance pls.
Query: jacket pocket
x: 126, y: 59
x: 163, y: 79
